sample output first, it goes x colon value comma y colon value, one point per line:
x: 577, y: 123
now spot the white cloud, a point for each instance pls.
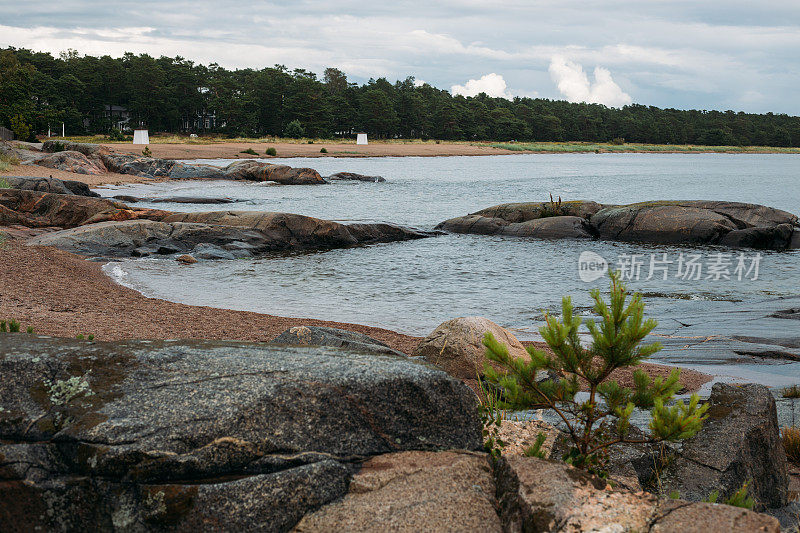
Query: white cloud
x: 574, y: 84
x: 492, y: 84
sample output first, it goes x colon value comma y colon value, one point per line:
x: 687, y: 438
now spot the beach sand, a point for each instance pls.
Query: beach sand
x: 92, y: 180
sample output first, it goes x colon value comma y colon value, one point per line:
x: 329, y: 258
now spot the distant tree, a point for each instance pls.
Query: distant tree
x: 294, y: 130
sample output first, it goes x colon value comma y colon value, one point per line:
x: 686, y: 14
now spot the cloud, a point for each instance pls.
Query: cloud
x: 574, y: 84
x: 492, y: 84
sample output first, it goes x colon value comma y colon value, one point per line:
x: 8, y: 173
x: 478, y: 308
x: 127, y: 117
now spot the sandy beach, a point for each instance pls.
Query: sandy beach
x: 92, y: 180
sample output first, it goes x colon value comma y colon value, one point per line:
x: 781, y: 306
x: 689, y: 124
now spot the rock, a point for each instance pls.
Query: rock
x: 352, y: 176
x: 190, y: 200
x: 240, y: 234
x: 185, y: 171
x: 149, y: 167
x: 731, y: 224
x: 52, y: 185
x: 38, y: 209
x: 694, y: 222
x: 457, y: 347
x: 258, y: 171
x: 338, y: 338
x: 186, y: 259
x: 740, y: 441
x: 88, y: 149
x: 127, y: 199
x: 540, y: 495
x: 414, y: 491
x: 155, y: 435
x: 71, y: 162
x: 213, y: 252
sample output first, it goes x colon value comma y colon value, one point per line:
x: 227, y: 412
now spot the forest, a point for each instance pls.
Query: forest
x: 95, y: 94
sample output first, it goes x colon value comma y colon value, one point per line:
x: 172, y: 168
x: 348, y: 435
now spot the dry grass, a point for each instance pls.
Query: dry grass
x: 790, y: 437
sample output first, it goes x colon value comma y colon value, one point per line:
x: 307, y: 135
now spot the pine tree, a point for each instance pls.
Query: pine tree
x: 600, y: 417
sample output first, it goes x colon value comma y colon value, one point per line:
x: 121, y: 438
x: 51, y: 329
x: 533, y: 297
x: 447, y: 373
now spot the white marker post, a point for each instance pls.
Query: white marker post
x: 361, y: 138
x: 141, y: 137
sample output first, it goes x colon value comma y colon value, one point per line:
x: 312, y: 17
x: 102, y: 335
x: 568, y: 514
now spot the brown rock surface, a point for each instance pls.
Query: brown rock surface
x: 71, y: 161
x: 414, y: 491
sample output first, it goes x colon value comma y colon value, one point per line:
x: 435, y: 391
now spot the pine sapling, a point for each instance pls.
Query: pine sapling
x: 599, y: 417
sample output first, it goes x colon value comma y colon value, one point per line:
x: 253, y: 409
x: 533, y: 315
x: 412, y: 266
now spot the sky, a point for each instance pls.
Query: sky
x: 698, y: 54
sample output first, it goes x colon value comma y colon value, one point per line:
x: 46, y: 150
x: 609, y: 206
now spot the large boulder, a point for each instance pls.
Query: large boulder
x: 337, y: 338
x: 90, y: 150
x: 457, y: 347
x: 540, y: 495
x: 251, y: 170
x: 522, y: 212
x: 740, y: 442
x: 205, y: 435
x: 227, y: 234
x: 52, y: 185
x: 149, y: 167
x: 414, y: 491
x: 697, y: 222
x: 37, y: 209
x: 71, y: 161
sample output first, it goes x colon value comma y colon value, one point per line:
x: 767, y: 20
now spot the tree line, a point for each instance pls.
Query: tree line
x: 38, y: 90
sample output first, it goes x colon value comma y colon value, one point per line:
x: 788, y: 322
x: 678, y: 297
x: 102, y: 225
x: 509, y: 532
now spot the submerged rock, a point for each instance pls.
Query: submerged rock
x: 337, y: 338
x: 51, y: 185
x: 194, y: 435
x: 352, y: 176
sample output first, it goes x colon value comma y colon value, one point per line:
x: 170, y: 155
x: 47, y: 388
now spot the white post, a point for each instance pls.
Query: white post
x: 48, y: 131
x: 62, y: 130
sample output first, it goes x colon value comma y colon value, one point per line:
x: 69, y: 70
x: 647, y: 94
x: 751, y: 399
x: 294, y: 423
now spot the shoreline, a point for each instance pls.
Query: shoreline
x: 62, y: 295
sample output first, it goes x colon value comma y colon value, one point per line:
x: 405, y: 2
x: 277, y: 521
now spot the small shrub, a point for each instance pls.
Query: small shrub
x: 4, y: 184
x: 90, y: 337
x: 553, y: 209
x: 21, y: 129
x: 3, y: 326
x: 491, y: 418
x: 116, y: 135
x: 272, y: 151
x: 618, y: 141
x: 602, y: 418
x: 79, y: 336
x: 249, y: 151
x: 536, y: 449
x: 790, y: 437
x: 323, y: 151
x: 294, y: 130
x: 13, y: 326
x: 740, y: 498
x: 30, y: 330
x: 58, y: 146
x: 310, y: 141
x: 147, y: 152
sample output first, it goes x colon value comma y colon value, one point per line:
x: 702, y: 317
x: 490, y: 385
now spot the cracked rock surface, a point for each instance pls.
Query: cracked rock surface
x: 143, y: 436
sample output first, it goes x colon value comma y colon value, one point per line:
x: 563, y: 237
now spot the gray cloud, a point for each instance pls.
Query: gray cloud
x: 730, y: 54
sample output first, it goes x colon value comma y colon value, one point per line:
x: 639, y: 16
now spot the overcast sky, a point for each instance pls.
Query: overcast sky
x: 705, y: 54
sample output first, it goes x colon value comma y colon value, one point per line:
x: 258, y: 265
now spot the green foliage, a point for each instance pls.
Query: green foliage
x: 30, y: 330
x: 3, y: 326
x: 740, y: 498
x: 294, y: 130
x: 4, y: 184
x: 492, y: 419
x: 79, y: 336
x: 90, y: 337
x: 553, y: 208
x: 249, y: 151
x: 13, y: 326
x: 602, y: 419
x: 618, y: 141
x: 675, y: 495
x: 147, y: 152
x: 116, y: 135
x: 536, y: 449
x: 21, y: 129
x: 323, y: 150
x: 58, y: 146
x: 272, y: 151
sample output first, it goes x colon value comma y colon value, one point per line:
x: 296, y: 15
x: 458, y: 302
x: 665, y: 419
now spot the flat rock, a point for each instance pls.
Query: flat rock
x: 352, y: 176
x: 156, y: 435
x: 337, y: 338
x: 51, y: 185
x: 38, y: 209
x: 414, y: 491
x: 251, y: 170
x: 457, y: 347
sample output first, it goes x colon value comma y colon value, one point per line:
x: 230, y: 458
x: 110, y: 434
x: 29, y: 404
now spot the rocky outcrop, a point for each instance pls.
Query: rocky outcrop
x: 150, y: 167
x: 199, y: 200
x: 352, y: 176
x: 731, y: 224
x: 414, y: 491
x: 52, y: 185
x: 215, y: 235
x: 37, y: 210
x: 456, y: 346
x: 739, y: 442
x: 285, y: 175
x: 540, y: 495
x: 71, y: 161
x: 88, y: 149
x: 209, y: 435
x: 337, y: 338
